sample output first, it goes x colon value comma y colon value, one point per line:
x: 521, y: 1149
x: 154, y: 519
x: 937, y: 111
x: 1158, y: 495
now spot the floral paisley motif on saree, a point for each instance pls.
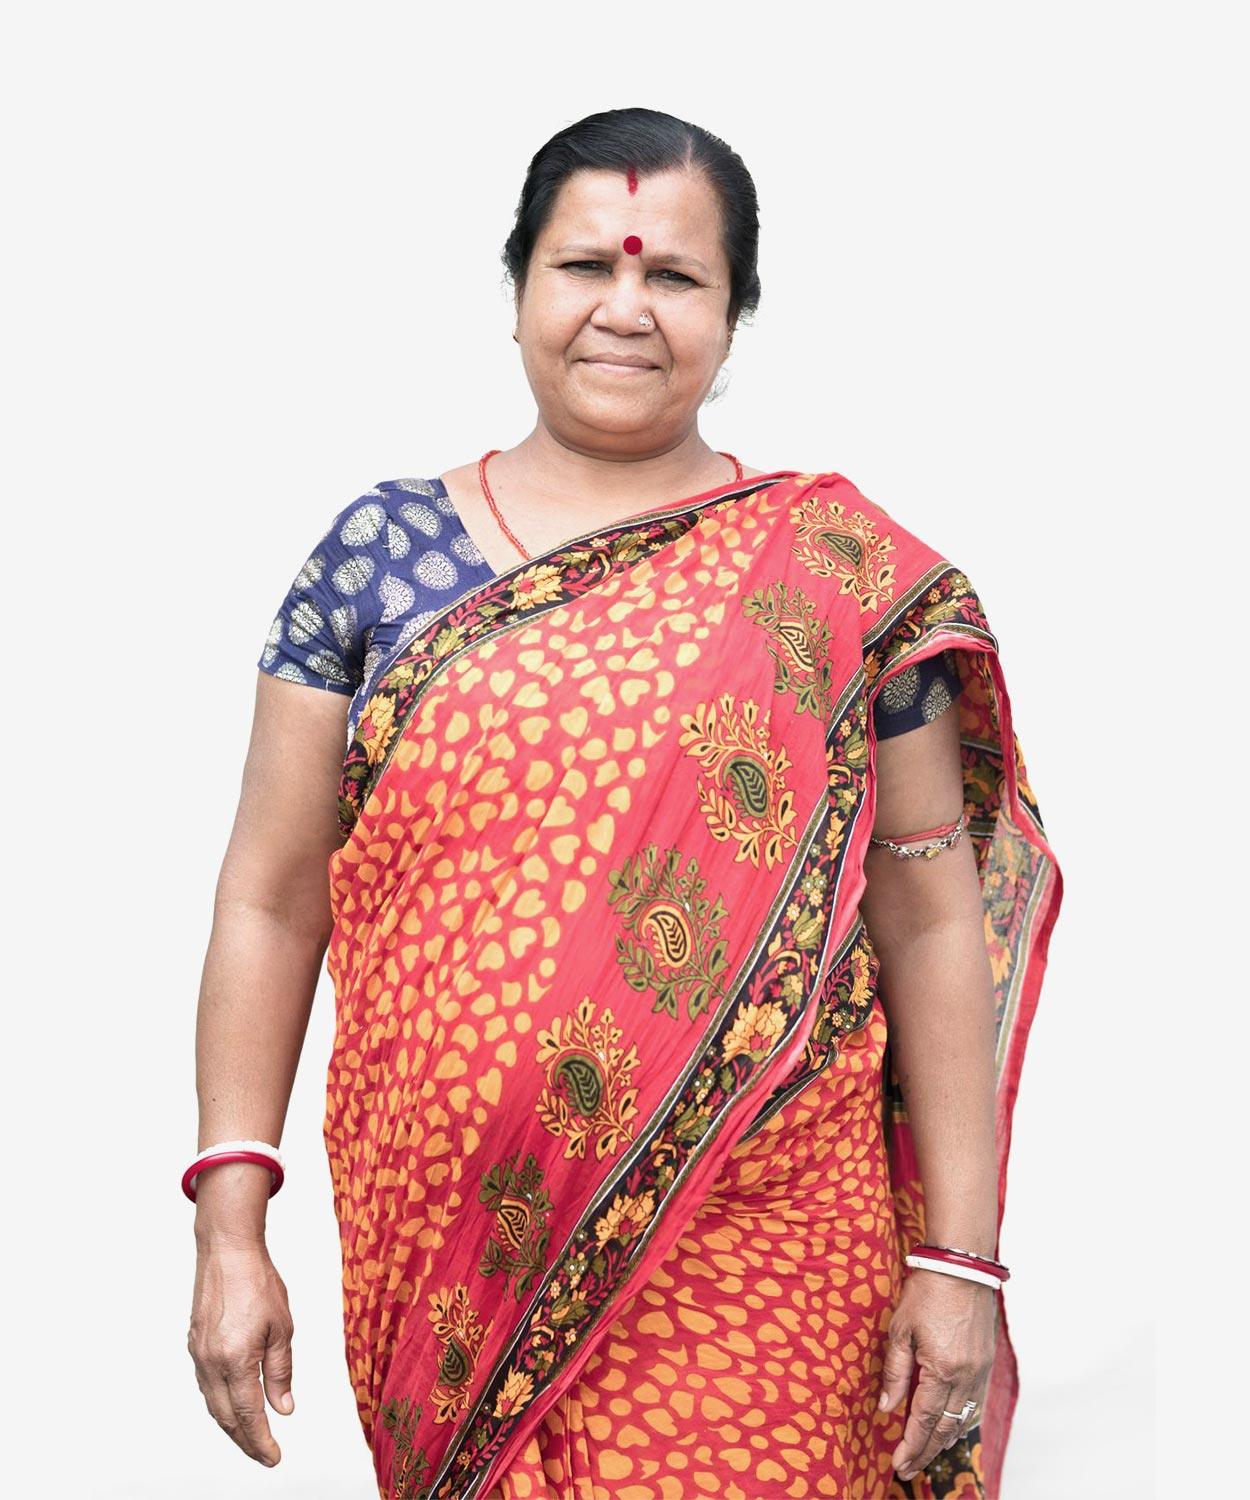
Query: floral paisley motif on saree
x: 596, y: 923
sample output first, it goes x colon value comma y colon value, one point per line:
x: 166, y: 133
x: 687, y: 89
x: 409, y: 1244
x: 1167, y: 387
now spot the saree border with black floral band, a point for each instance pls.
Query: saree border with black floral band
x: 596, y: 919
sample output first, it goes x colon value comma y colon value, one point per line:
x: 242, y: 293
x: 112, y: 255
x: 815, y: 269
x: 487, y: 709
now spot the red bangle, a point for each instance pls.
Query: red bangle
x: 964, y: 1258
x: 988, y: 1260
x: 196, y: 1167
x: 929, y: 833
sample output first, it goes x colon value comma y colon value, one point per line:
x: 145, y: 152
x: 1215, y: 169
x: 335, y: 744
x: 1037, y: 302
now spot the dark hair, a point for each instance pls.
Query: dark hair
x: 649, y: 141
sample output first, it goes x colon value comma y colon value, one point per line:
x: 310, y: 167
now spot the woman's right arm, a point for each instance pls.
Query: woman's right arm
x: 271, y: 926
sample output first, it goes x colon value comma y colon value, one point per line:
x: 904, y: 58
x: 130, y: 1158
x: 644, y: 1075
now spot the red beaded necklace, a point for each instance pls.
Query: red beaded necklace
x: 503, y: 525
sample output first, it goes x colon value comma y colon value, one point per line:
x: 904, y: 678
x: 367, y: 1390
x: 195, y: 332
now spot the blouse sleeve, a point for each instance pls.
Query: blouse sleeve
x: 321, y: 632
x: 916, y: 695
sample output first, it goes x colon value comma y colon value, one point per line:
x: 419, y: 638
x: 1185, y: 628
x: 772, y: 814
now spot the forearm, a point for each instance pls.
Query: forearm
x: 260, y: 974
x: 937, y: 993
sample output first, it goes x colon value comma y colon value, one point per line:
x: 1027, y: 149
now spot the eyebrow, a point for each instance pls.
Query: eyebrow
x: 593, y: 252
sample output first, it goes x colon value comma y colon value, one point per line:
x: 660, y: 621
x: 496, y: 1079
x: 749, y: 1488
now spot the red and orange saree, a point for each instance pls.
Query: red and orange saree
x: 623, y: 1192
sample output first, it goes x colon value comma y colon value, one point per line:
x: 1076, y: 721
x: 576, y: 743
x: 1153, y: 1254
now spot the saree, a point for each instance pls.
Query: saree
x: 599, y: 970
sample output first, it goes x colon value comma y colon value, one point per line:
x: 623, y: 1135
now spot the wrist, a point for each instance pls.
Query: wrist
x: 983, y: 1244
x: 231, y: 1200
x: 972, y: 1226
x: 219, y: 1237
x: 229, y: 1223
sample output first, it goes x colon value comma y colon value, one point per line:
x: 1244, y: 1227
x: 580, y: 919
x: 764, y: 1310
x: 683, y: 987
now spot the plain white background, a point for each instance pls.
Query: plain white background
x: 253, y: 269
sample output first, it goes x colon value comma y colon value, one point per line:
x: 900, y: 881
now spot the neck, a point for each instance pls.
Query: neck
x: 559, y: 473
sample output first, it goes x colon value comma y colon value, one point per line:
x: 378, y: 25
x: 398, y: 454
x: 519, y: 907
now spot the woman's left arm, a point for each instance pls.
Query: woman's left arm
x: 925, y: 919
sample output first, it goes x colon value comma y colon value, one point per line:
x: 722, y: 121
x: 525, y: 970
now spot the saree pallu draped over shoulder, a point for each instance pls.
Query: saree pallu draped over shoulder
x: 596, y: 922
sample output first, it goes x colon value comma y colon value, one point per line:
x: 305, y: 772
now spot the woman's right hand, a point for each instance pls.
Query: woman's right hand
x: 240, y: 1319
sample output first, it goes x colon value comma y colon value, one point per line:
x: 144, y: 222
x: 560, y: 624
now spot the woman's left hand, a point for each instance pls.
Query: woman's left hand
x: 947, y: 1325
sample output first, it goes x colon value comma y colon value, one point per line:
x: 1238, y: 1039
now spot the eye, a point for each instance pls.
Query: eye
x: 597, y: 265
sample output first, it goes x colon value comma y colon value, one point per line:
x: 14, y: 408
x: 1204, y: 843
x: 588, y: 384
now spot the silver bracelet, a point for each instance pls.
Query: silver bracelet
x: 925, y: 851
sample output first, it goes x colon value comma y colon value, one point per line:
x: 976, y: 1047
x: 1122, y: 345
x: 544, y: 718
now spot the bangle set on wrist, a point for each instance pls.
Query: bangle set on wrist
x: 260, y: 1152
x: 966, y: 1264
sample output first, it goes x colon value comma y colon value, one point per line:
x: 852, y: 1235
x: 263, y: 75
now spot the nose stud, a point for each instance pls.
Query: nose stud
x: 646, y: 320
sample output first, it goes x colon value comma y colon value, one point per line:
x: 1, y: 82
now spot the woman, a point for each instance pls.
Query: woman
x: 642, y: 744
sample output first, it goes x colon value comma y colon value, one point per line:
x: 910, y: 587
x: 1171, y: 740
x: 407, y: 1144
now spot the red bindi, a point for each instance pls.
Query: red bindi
x: 631, y: 180
x: 632, y: 245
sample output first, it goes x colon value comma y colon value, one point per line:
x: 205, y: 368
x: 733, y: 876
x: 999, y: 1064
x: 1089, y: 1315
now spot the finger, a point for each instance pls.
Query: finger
x: 248, y: 1405
x: 946, y: 1431
x: 275, y: 1367
x: 918, y: 1444
x: 896, y: 1369
x: 966, y: 1427
x: 217, y: 1399
x: 951, y: 1429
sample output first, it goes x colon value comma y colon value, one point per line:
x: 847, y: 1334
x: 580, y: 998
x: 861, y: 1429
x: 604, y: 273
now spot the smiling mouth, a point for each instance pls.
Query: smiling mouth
x: 620, y: 369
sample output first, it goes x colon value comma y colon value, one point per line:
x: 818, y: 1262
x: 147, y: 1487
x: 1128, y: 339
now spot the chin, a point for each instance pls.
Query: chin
x: 617, y: 416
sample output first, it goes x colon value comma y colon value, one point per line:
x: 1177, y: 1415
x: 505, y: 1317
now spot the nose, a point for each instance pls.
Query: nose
x: 625, y: 306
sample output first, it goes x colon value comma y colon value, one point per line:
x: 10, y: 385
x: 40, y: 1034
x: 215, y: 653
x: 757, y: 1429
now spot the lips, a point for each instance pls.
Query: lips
x: 619, y: 362
x: 628, y: 360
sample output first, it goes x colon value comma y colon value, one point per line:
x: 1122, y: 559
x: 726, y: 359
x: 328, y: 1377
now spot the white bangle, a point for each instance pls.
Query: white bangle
x: 240, y: 1146
x: 969, y: 1273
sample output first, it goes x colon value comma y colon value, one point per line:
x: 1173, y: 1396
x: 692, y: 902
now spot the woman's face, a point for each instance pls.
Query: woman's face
x: 584, y: 295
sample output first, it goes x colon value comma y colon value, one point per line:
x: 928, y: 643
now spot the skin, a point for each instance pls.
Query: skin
x: 606, y: 443
x: 925, y: 918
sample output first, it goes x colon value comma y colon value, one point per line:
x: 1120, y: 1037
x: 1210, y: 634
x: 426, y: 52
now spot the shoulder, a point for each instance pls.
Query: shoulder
x: 878, y: 561
x: 419, y: 506
x: 356, y: 580
x: 880, y: 529
x: 381, y: 526
x: 362, y: 522
x: 350, y: 572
